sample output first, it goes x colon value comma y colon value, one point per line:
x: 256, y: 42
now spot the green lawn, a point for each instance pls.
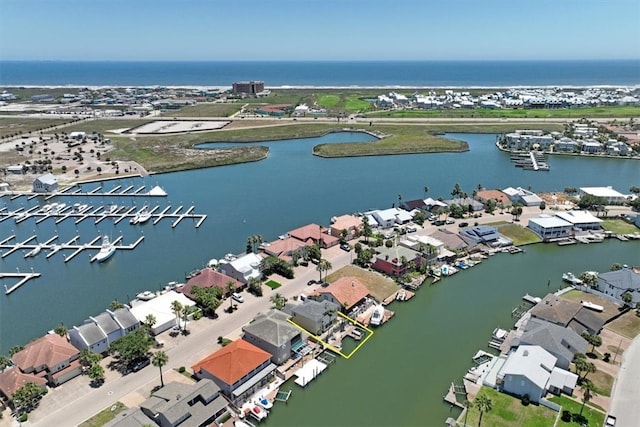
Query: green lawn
x: 603, y: 382
x: 355, y: 103
x: 104, y: 416
x: 328, y: 101
x: 520, y: 235
x: 273, y: 284
x: 618, y: 226
x: 22, y: 126
x: 508, y: 411
x: 593, y: 416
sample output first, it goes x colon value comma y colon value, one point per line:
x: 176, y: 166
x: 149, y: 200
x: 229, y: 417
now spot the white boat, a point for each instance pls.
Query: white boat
x: 113, y: 209
x: 264, y: 402
x: 239, y: 423
x: 141, y: 216
x: 377, y: 315
x: 592, y: 306
x: 146, y: 296
x: 33, y: 252
x: 571, y: 278
x: 46, y: 208
x: 259, y: 413
x: 106, y: 250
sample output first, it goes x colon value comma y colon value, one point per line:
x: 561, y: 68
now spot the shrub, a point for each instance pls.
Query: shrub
x: 566, y: 416
x: 606, y: 357
x: 525, y: 400
x: 181, y: 369
x: 23, y: 418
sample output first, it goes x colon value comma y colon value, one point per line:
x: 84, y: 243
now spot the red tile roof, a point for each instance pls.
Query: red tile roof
x: 346, y: 222
x: 233, y: 362
x: 49, y: 350
x: 12, y: 379
x: 496, y: 195
x: 314, y: 232
x: 347, y: 291
x: 209, y: 278
x: 284, y: 246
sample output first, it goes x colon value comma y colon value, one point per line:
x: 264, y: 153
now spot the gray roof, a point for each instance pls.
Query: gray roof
x: 315, y: 310
x: 556, y: 339
x: 91, y: 333
x: 106, y: 323
x: 133, y: 417
x: 47, y: 179
x: 481, y: 233
x: 397, y: 253
x: 124, y: 317
x: 272, y: 327
x: 172, y: 402
x: 621, y: 279
x: 451, y: 240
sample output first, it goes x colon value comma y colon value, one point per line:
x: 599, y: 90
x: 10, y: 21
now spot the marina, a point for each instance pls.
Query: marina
x: 532, y: 160
x: 76, y: 190
x: 24, y: 278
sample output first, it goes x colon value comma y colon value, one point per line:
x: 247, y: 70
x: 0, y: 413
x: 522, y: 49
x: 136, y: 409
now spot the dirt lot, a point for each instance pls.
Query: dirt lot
x: 379, y: 286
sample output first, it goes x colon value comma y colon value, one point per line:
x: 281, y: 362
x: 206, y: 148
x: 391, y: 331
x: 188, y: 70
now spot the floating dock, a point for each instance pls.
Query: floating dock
x: 309, y: 372
x: 24, y: 278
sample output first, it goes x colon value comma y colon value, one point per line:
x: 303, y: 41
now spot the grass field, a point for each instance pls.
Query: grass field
x: 22, y: 126
x: 593, y: 416
x: 208, y: 109
x: 106, y: 126
x: 520, y: 235
x: 618, y: 226
x: 104, y: 416
x: 627, y: 325
x: 328, y: 101
x: 508, y: 411
x: 603, y: 382
x: 379, y: 286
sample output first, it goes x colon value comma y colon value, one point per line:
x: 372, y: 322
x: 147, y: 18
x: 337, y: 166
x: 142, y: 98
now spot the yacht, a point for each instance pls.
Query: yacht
x: 106, y: 250
x: 33, y: 252
x: 571, y: 278
x: 377, y: 315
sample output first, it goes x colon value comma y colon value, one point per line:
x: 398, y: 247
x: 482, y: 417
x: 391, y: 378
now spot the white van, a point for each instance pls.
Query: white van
x: 236, y: 296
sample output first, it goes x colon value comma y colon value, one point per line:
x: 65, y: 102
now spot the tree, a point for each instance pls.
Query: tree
x: 426, y: 190
x: 255, y: 287
x: 323, y: 266
x: 15, y: 349
x: 115, y: 305
x: 158, y: 360
x: 570, y: 191
x: 149, y: 322
x: 456, y: 190
x: 615, y: 267
x: 4, y: 362
x: 88, y: 358
x: 516, y: 211
x: 634, y: 189
x: 484, y: 404
x: 132, y: 346
x: 593, y: 339
x: 176, y: 308
x: 468, y: 405
x: 231, y: 288
x: 278, y: 301
x: 588, y: 390
x: 627, y: 297
x: 588, y: 278
x: 366, y: 229
x: 96, y: 373
x: 26, y: 398
x: 61, y: 330
x: 208, y: 298
x: 543, y: 206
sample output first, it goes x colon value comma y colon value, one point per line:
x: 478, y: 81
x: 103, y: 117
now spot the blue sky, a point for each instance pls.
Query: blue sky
x: 318, y: 30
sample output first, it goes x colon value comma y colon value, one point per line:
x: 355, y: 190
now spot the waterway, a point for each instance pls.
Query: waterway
x: 292, y: 188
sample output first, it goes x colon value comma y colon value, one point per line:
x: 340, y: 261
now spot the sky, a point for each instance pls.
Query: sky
x: 210, y: 30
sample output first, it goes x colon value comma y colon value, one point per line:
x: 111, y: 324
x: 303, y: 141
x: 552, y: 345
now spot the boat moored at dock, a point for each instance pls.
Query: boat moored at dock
x: 106, y: 250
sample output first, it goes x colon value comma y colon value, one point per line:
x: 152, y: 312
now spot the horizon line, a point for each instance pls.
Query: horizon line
x: 324, y: 60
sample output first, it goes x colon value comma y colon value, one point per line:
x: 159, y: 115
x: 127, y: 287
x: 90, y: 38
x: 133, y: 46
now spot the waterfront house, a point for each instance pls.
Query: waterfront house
x: 612, y: 196
x: 242, y: 268
x: 483, y: 196
x: 385, y: 218
x: 567, y: 313
x: 351, y: 223
x: 616, y: 283
x: 410, y: 205
x: 314, y: 316
x: 451, y: 240
x: 465, y: 202
x: 209, y: 278
x: 51, y: 357
x: 12, y: 379
x: 89, y: 336
x: 285, y: 248
x: 563, y: 343
x: 550, y: 227
x: 45, y: 184
x: 591, y: 147
x: 522, y: 196
x: 97, y: 333
x: 347, y: 292
x: 529, y: 371
x: 396, y: 261
x: 160, y: 308
x: 126, y: 321
x: 314, y: 233
x: 273, y: 333
x: 566, y: 145
x: 429, y: 247
x: 239, y: 369
x: 484, y: 234
x: 108, y: 325
x: 131, y: 417
x: 582, y: 220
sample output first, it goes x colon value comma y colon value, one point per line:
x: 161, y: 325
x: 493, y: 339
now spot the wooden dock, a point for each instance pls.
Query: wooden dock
x: 24, y: 278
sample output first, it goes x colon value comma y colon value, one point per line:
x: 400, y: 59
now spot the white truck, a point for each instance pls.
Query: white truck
x: 611, y: 421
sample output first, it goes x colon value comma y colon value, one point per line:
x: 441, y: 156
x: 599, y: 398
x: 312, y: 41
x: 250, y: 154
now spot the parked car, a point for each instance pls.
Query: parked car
x: 439, y: 222
x: 237, y: 297
x: 345, y: 247
x: 311, y: 282
x: 463, y: 224
x: 449, y: 221
x: 138, y: 364
x: 412, y: 229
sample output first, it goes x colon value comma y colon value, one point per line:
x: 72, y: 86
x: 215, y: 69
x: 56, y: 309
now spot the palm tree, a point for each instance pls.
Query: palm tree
x: 323, y: 266
x: 399, y: 199
x: 588, y: 389
x: 96, y: 373
x: 426, y: 190
x: 278, y: 301
x: 160, y: 359
x: 231, y: 287
x: 484, y: 404
x: 150, y: 321
x: 176, y: 308
x: 468, y: 405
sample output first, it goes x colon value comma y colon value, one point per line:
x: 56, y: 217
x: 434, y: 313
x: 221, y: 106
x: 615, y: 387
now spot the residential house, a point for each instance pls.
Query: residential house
x: 581, y: 219
x: 100, y: 331
x: 612, y: 196
x: 89, y: 336
x: 239, y: 369
x: 550, y: 227
x: 591, y: 147
x: 483, y: 196
x: 522, y: 196
x: 273, y: 333
x: 51, y: 357
x: 13, y: 379
x: 286, y: 248
x: 452, y: 241
x: 108, y: 325
x: 347, y: 292
x: 316, y: 234
x: 566, y: 145
x: 351, y: 223
x: 126, y: 321
x: 528, y: 370
x: 132, y: 417
x: 429, y: 247
x: 567, y: 313
x: 241, y: 268
x: 484, y: 234
x: 616, y: 283
x: 209, y: 278
x: 396, y: 261
x: 45, y: 184
x: 160, y: 308
x: 563, y: 343
x: 465, y: 202
x: 385, y: 218
x: 314, y: 316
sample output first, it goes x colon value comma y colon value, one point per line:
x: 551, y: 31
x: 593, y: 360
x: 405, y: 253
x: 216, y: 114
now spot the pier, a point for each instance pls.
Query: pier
x: 24, y: 278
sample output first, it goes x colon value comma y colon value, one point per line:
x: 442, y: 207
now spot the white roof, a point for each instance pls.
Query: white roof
x: 248, y: 265
x: 561, y: 379
x: 47, y: 179
x: 387, y: 214
x: 160, y: 307
x: 578, y: 217
x: 531, y: 361
x: 427, y: 240
x: 547, y: 221
x: 403, y: 215
x: 601, y: 191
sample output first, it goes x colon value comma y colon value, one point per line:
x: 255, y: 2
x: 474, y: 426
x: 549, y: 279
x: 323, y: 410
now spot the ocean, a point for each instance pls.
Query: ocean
x: 466, y: 74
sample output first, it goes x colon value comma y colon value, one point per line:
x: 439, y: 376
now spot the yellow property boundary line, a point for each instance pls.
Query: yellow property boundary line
x: 332, y: 348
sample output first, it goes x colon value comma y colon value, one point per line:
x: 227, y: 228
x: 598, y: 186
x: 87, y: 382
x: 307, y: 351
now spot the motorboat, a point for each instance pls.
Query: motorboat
x: 113, y: 208
x: 259, y: 412
x: 592, y: 306
x: 107, y: 249
x: 377, y: 315
x: 264, y: 402
x: 79, y: 207
x: 33, y: 252
x: 141, y: 216
x: 571, y: 278
x: 146, y: 296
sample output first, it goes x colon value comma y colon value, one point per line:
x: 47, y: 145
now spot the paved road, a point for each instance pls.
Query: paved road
x: 626, y: 392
